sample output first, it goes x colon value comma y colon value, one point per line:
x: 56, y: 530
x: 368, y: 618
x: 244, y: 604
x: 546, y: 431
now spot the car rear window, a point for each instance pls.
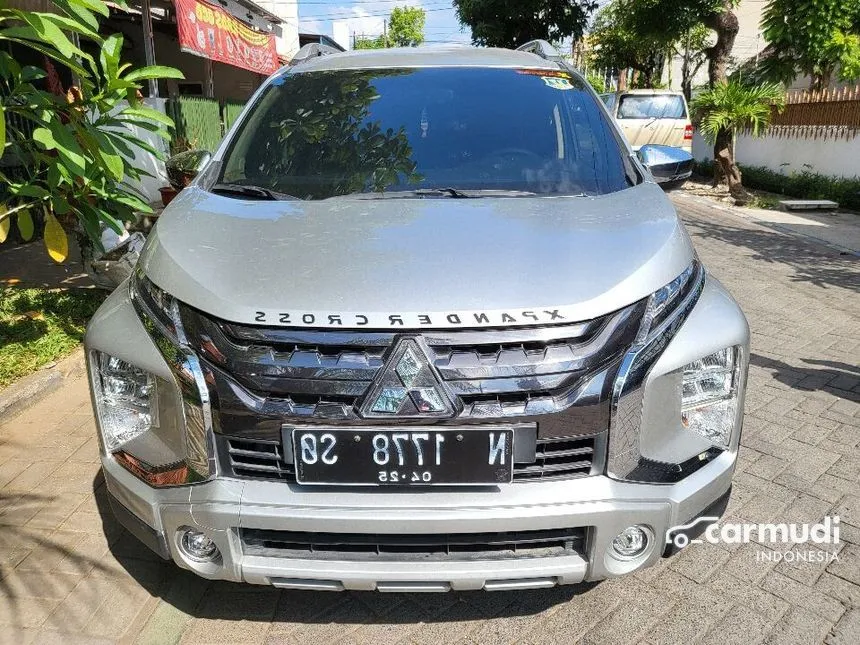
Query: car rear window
x: 652, y: 106
x: 316, y: 135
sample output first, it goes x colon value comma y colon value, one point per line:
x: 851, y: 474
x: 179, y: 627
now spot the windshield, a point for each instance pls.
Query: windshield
x: 317, y: 135
x: 652, y: 106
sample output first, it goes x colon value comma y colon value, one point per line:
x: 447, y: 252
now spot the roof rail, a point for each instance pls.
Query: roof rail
x: 312, y: 50
x: 541, y: 48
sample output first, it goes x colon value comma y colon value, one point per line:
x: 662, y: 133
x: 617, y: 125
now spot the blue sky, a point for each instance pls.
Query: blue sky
x: 367, y: 16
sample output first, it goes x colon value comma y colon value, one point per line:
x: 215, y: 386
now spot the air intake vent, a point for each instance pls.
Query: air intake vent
x: 558, y: 459
x: 258, y: 460
x: 442, y: 546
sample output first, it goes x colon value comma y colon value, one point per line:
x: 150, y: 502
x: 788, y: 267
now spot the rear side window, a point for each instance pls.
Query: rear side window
x: 317, y: 135
x: 652, y: 106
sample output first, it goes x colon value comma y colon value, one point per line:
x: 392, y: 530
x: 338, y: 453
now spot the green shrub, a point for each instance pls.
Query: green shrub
x: 801, y: 185
x: 597, y: 82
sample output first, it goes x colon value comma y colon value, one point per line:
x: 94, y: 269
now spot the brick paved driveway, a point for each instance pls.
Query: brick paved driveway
x: 69, y: 575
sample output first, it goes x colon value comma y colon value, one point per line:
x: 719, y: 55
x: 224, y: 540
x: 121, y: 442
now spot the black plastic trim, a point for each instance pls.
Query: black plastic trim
x: 716, y: 509
x: 151, y: 538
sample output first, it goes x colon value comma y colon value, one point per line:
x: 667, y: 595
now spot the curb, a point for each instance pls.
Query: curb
x: 30, y: 389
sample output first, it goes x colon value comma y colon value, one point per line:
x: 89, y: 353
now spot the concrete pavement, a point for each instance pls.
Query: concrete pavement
x: 68, y: 574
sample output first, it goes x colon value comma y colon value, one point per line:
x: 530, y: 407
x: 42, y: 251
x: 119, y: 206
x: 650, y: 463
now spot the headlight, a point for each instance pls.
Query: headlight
x: 672, y: 415
x: 125, y: 396
x: 158, y: 428
x: 157, y: 303
x: 710, y: 396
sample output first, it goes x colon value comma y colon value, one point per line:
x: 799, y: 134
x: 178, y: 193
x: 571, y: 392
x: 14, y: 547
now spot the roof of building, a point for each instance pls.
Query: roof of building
x: 431, y: 56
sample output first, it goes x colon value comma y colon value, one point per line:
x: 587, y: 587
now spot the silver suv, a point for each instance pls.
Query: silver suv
x: 422, y: 322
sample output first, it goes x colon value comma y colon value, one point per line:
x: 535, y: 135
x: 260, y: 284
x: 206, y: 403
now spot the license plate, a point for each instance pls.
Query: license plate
x: 413, y: 457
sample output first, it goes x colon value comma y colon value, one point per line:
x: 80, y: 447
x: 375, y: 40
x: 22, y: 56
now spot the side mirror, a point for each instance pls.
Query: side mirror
x: 185, y: 166
x: 671, y: 167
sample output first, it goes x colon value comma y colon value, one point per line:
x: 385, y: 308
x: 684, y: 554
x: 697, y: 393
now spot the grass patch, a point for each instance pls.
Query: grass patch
x: 801, y: 185
x: 38, y: 326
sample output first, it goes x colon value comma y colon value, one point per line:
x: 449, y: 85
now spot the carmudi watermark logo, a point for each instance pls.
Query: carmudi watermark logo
x: 784, y: 539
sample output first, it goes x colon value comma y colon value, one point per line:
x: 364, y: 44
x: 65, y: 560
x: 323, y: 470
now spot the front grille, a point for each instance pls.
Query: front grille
x: 469, y: 546
x: 265, y: 374
x: 566, y: 458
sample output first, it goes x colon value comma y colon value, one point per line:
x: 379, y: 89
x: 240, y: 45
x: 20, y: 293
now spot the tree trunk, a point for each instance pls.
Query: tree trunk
x: 647, y: 78
x: 725, y: 167
x: 622, y: 79
x: 686, y: 77
x: 725, y: 23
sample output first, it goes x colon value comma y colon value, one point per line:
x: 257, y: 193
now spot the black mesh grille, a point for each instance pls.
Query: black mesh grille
x: 567, y: 458
x: 443, y: 546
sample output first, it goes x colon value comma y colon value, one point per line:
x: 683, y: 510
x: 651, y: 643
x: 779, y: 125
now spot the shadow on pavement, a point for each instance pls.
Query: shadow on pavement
x: 218, y: 600
x: 29, y: 555
x: 836, y: 378
x: 28, y: 265
x: 812, y: 262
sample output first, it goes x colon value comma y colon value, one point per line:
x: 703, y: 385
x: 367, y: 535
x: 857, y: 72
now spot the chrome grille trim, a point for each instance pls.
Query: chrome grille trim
x: 324, y: 374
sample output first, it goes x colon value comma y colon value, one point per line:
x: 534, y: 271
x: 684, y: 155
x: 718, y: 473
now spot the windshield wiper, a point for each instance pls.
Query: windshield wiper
x: 248, y: 190
x: 440, y: 192
x: 453, y: 193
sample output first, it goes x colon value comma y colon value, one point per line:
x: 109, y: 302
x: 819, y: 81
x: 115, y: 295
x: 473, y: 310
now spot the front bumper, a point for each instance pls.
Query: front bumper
x: 225, y: 507
x: 221, y: 508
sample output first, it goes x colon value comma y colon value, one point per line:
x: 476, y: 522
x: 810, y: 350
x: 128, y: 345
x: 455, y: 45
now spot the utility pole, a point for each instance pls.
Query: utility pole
x: 148, y: 44
x: 385, y: 32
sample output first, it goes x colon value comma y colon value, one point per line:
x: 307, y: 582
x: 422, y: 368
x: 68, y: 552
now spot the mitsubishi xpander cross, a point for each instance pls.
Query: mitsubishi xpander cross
x: 422, y: 322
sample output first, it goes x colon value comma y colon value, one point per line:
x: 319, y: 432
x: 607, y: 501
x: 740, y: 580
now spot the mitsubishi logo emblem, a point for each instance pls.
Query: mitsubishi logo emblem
x: 407, y: 387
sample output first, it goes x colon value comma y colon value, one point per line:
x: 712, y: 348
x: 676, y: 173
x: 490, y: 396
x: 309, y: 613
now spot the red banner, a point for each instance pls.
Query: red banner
x: 211, y: 32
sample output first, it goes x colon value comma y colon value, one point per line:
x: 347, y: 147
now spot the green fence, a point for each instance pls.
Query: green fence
x: 200, y: 122
x: 230, y: 111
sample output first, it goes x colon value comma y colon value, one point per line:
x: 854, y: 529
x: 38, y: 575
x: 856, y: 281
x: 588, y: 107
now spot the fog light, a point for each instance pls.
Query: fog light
x: 197, y: 547
x: 630, y: 543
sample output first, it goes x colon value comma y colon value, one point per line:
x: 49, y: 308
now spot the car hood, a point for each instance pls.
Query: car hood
x: 412, y: 263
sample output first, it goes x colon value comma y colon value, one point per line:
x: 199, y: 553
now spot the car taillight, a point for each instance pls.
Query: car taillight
x: 688, y: 133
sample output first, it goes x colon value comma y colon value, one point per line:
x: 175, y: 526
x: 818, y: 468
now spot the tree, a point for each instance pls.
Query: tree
x: 405, y: 29
x: 511, y: 23
x: 811, y: 37
x: 363, y: 42
x: 674, y: 19
x: 326, y: 124
x: 75, y: 148
x: 728, y: 107
x: 406, y: 26
x: 692, y: 48
x: 615, y: 43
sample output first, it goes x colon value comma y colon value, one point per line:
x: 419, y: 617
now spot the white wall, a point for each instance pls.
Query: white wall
x: 287, y: 10
x: 834, y: 156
